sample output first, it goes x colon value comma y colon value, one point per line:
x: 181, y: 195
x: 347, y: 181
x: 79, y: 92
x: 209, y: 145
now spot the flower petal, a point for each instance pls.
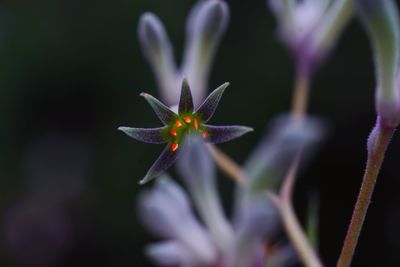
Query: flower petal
x: 186, y: 101
x: 208, y: 107
x: 197, y: 170
x: 164, y: 161
x: 147, y: 135
x: 157, y: 48
x: 252, y: 213
x: 169, y: 253
x: 267, y: 164
x: 205, y: 26
x: 163, y: 112
x: 220, y: 134
x: 166, y: 210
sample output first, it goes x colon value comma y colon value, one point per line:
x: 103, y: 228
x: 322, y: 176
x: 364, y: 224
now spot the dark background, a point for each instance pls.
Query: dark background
x: 70, y: 74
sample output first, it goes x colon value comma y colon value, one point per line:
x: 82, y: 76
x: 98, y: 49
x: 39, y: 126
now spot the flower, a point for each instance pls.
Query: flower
x: 178, y: 125
x: 209, y: 239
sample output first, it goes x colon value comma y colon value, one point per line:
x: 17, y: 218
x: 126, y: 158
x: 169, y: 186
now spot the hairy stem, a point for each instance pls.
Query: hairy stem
x: 378, y: 142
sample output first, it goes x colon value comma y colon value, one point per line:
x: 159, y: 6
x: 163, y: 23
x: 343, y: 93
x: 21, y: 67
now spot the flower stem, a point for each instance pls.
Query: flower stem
x: 292, y: 226
x: 227, y: 165
x: 301, y: 93
x: 378, y: 143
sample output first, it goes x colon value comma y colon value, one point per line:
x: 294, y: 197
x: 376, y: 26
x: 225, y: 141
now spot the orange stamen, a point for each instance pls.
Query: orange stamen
x: 196, y: 124
x: 178, y: 123
x: 173, y: 132
x: 187, y: 119
x: 174, y: 147
x: 204, y: 134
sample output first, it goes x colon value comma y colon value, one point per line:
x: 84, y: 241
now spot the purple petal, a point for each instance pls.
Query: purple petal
x: 198, y: 172
x: 166, y: 210
x: 256, y: 221
x: 169, y: 253
x: 164, y: 161
x: 208, y: 107
x: 157, y: 48
x: 162, y: 207
x: 205, y: 26
x: 186, y: 101
x: 163, y: 112
x: 267, y: 165
x: 147, y: 135
x: 220, y: 134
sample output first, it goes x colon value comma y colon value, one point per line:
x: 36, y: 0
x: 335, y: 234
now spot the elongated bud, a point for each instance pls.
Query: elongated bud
x: 205, y: 27
x: 310, y: 28
x: 158, y: 50
x: 381, y: 19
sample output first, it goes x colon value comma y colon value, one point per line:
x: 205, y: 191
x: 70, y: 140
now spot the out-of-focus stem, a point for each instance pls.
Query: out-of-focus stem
x: 293, y: 228
x: 227, y: 165
x: 301, y: 93
x: 374, y: 162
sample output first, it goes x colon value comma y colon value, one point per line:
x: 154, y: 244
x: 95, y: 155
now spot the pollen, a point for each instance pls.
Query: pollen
x: 187, y: 119
x: 178, y: 123
x: 204, y: 134
x: 173, y: 132
x: 174, y: 147
x: 196, y: 124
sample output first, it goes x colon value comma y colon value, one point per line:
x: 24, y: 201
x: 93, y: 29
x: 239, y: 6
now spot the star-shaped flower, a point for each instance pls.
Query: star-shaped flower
x: 178, y: 126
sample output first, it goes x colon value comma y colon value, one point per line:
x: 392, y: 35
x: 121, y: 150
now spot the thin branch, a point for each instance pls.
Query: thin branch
x: 292, y: 226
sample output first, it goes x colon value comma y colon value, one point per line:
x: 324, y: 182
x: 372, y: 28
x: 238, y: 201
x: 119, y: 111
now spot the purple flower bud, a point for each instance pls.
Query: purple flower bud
x: 381, y: 19
x: 158, y: 50
x: 310, y: 27
x: 205, y: 26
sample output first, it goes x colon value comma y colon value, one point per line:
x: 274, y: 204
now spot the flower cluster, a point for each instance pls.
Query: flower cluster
x: 212, y: 241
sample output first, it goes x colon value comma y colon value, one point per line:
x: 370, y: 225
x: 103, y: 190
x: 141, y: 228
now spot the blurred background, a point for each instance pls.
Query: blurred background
x: 71, y: 73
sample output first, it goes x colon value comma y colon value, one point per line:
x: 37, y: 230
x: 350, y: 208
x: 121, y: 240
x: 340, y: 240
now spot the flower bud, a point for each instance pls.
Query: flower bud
x: 158, y: 50
x: 310, y: 27
x: 205, y: 26
x: 381, y: 19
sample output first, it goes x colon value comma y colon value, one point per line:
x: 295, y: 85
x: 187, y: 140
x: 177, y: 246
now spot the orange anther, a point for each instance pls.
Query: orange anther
x: 178, y: 123
x: 187, y: 119
x: 174, y: 147
x: 204, y: 134
x: 173, y: 132
x: 196, y: 124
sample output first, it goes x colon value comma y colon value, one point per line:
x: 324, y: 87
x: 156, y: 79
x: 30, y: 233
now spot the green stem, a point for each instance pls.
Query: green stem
x: 378, y: 143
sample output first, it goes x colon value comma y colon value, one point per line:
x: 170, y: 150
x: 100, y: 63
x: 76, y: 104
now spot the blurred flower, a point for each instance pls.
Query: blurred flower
x: 286, y: 136
x: 204, y: 28
x: 381, y: 20
x: 178, y: 125
x: 310, y: 27
x: 215, y: 241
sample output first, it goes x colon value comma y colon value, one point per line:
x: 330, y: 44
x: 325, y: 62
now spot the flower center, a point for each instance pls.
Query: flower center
x: 181, y: 126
